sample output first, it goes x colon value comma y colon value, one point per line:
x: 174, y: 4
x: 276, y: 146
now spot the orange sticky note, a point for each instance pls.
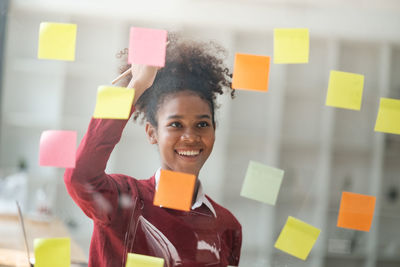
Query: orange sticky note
x: 251, y: 72
x: 175, y: 190
x: 57, y: 148
x: 356, y: 211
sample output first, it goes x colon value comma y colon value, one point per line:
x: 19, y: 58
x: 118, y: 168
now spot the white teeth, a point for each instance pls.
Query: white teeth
x: 189, y: 153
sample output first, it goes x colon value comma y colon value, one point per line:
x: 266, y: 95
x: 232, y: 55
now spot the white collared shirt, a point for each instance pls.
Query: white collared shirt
x: 200, y: 198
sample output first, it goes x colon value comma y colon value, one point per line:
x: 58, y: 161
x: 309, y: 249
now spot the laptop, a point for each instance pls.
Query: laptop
x: 31, y: 261
x: 21, y: 220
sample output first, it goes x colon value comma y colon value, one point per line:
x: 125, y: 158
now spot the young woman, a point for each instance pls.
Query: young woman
x: 178, y: 103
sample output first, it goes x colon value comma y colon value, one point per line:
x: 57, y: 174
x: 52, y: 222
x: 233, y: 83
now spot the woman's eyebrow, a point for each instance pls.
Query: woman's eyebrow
x: 203, y: 116
x: 174, y: 117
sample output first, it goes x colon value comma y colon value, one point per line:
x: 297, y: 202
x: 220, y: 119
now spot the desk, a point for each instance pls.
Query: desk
x: 12, y: 247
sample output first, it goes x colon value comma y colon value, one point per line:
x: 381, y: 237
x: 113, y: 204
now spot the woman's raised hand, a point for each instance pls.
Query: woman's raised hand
x: 142, y: 77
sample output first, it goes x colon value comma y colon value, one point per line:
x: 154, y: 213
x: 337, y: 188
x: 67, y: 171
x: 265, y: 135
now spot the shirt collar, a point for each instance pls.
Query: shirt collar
x: 200, y: 198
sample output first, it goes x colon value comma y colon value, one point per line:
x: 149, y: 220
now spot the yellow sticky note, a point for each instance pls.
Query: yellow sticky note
x: 291, y: 46
x: 113, y: 102
x: 135, y: 260
x: 345, y: 90
x: 57, y: 41
x: 297, y: 238
x: 50, y: 252
x: 388, y: 120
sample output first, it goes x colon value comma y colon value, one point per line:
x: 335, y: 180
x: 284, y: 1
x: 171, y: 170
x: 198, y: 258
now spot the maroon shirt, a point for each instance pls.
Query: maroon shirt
x: 126, y: 221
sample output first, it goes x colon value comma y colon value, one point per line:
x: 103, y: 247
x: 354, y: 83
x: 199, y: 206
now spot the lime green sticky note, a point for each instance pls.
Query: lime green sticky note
x: 50, y: 252
x: 345, y: 90
x: 297, y: 238
x: 57, y: 41
x: 262, y: 183
x: 388, y: 120
x: 291, y: 46
x: 113, y: 102
x: 136, y: 260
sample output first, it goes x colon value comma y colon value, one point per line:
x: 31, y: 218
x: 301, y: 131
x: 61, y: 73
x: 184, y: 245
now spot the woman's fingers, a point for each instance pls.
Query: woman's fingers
x: 131, y: 83
x: 143, y: 75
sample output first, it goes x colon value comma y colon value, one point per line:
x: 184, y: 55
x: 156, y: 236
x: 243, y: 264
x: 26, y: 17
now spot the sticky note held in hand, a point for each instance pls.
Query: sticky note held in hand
x: 345, y: 90
x: 388, y: 119
x: 251, y: 72
x: 57, y: 41
x: 134, y: 260
x: 58, y: 148
x: 356, y: 211
x: 262, y: 183
x: 175, y: 190
x: 113, y: 102
x: 297, y: 238
x: 147, y: 46
x: 51, y: 252
x: 291, y: 46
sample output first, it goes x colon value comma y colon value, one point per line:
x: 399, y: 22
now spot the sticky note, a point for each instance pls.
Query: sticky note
x: 388, y: 120
x: 147, y: 46
x: 291, y: 46
x: 113, y: 102
x: 345, y: 90
x: 175, y: 190
x: 50, y: 252
x: 356, y: 211
x: 262, y: 183
x: 136, y: 260
x: 297, y: 238
x: 251, y: 72
x: 57, y: 41
x: 57, y: 149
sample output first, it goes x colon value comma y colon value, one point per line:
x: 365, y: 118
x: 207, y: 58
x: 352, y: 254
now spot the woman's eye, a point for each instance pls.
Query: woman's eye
x: 175, y: 124
x: 203, y: 124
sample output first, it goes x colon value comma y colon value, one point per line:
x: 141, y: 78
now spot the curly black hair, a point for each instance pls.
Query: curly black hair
x: 196, y: 67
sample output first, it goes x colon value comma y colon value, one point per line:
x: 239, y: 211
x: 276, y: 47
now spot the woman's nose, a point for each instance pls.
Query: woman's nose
x: 190, y: 135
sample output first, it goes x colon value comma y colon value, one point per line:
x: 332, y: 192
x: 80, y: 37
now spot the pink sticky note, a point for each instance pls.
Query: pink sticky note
x: 147, y: 46
x: 58, y: 149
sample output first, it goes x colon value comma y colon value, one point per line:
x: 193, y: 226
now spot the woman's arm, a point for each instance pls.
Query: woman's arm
x: 94, y: 191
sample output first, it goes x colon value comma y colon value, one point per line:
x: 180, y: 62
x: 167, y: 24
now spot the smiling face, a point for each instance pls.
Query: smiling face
x: 185, y: 133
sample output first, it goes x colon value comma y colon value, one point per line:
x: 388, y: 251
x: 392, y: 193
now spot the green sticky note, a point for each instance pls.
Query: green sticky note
x: 388, y: 120
x: 57, y: 41
x: 345, y: 90
x: 113, y: 102
x: 297, y: 238
x: 136, y: 260
x: 291, y: 46
x: 51, y: 252
x: 262, y: 183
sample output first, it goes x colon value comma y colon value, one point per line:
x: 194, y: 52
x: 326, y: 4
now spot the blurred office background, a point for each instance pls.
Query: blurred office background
x: 323, y: 150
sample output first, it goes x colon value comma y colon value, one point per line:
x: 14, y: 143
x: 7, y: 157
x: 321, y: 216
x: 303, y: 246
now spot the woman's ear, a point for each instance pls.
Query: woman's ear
x: 151, y: 133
